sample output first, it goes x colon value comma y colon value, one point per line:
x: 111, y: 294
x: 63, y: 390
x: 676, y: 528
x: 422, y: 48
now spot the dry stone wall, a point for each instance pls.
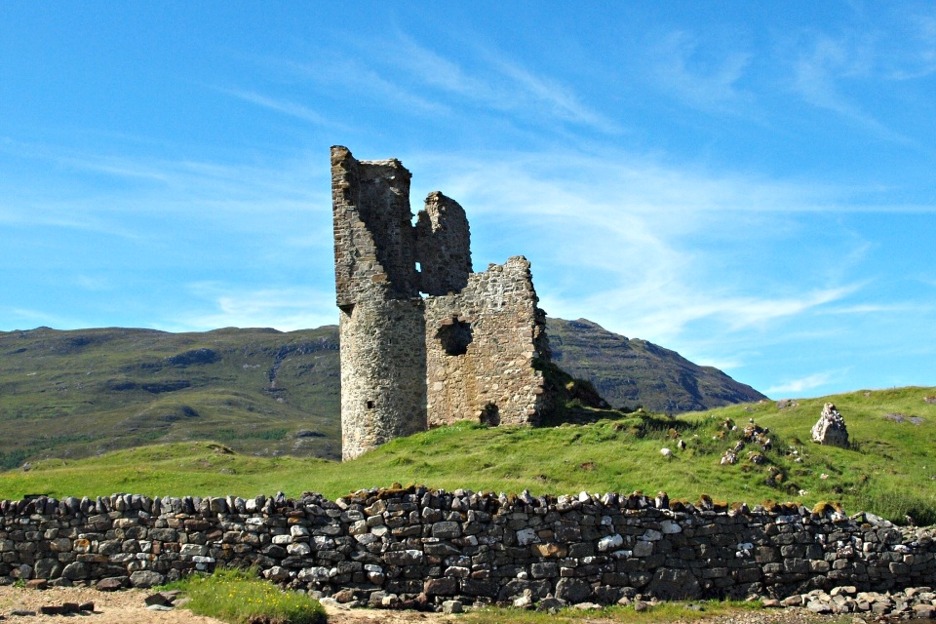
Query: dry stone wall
x: 424, y: 340
x: 422, y: 547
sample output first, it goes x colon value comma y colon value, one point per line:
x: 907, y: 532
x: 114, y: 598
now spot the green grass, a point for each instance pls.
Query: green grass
x: 671, y: 611
x: 239, y: 597
x: 185, y: 468
x: 890, y: 471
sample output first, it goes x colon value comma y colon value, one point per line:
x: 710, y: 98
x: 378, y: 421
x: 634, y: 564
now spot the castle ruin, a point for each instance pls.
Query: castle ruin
x: 424, y: 340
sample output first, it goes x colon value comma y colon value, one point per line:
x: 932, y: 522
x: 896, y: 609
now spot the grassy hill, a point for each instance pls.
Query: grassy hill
x: 890, y: 470
x: 72, y: 394
x: 78, y: 393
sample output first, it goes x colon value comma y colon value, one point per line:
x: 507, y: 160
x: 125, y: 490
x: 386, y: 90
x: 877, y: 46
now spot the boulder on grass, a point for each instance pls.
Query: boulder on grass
x: 830, y: 430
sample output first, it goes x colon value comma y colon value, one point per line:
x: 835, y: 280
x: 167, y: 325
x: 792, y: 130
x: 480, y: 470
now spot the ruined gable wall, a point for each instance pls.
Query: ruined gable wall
x: 481, y: 344
x: 443, y: 246
x: 382, y: 330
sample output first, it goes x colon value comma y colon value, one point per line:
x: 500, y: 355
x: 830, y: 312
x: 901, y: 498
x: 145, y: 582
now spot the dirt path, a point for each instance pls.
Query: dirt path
x: 128, y: 607
x: 121, y: 607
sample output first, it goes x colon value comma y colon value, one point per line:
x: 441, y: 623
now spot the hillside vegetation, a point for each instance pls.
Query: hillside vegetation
x: 78, y: 393
x: 890, y: 469
x: 71, y: 394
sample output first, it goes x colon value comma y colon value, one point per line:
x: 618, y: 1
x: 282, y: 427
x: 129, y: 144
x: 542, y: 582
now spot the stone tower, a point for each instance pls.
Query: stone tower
x: 424, y: 341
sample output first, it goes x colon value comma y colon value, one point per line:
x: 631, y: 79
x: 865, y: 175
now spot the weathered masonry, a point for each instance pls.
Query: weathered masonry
x: 421, y: 547
x: 424, y: 340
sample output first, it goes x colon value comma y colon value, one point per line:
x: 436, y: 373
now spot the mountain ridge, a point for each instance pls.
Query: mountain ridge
x: 631, y: 373
x: 73, y: 393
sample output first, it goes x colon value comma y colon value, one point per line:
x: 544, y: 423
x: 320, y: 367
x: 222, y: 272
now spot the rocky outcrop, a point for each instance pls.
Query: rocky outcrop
x: 830, y: 429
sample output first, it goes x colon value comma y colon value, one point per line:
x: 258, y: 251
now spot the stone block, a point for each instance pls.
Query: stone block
x: 446, y: 530
x: 445, y: 586
x: 146, y: 578
x: 573, y: 590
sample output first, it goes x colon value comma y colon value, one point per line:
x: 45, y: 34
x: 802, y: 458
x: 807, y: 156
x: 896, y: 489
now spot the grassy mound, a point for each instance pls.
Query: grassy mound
x: 889, y: 470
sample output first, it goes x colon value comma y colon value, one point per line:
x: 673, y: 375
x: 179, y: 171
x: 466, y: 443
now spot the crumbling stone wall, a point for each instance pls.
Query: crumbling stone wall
x: 383, y: 383
x: 443, y: 246
x: 482, y: 345
x: 424, y: 340
x: 406, y: 547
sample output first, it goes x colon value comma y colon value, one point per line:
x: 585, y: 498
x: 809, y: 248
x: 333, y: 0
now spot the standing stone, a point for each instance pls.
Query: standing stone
x: 830, y: 429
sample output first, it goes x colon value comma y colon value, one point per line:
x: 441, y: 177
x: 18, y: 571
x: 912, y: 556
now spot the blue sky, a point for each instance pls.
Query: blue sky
x: 751, y: 184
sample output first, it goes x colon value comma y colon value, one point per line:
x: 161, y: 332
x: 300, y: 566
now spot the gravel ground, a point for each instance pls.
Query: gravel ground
x: 123, y: 607
x: 127, y: 607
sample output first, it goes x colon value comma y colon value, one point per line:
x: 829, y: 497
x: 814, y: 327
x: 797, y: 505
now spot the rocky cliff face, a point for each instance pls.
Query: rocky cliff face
x: 631, y: 372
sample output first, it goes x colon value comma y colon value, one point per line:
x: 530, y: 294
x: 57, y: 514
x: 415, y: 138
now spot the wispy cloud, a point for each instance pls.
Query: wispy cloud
x: 286, y: 107
x: 116, y: 194
x: 911, y: 55
x: 803, y: 384
x: 555, y: 99
x: 876, y: 308
x: 708, y: 84
x: 381, y: 87
x: 635, y: 249
x: 546, y: 183
x: 666, y: 312
x: 433, y: 70
x: 817, y: 73
x: 286, y: 308
x: 867, y: 61
x: 498, y: 81
x: 37, y: 211
x: 420, y: 79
